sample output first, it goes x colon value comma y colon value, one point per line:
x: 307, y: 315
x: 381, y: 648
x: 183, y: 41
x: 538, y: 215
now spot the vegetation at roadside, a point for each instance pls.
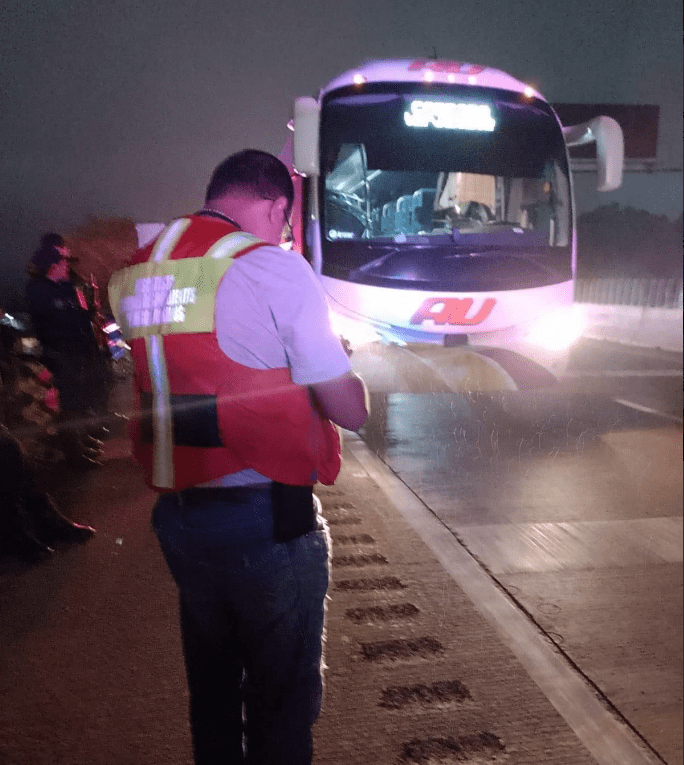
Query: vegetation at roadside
x: 614, y: 241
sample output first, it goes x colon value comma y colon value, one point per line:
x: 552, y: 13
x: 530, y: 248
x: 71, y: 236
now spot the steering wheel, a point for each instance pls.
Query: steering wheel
x: 478, y: 211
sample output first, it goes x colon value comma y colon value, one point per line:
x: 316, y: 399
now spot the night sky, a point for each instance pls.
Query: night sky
x: 123, y: 109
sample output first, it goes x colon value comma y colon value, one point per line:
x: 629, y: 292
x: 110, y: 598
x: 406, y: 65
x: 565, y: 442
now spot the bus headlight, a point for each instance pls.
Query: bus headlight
x: 358, y: 333
x: 557, y: 330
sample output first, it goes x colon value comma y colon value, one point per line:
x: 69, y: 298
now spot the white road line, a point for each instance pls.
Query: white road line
x: 609, y: 740
x: 625, y: 373
x: 647, y: 409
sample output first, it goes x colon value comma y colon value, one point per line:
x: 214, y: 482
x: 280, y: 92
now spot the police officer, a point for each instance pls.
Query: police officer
x: 62, y: 323
x: 239, y: 379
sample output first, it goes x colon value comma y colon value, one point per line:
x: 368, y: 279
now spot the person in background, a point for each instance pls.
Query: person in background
x: 30, y: 522
x: 240, y: 379
x: 62, y: 323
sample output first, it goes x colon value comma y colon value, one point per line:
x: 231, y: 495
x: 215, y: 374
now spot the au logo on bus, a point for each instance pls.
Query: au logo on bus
x: 453, y: 311
x: 448, y: 67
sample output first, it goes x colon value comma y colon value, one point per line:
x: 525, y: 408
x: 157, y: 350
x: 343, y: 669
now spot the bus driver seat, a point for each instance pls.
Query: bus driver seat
x: 423, y: 210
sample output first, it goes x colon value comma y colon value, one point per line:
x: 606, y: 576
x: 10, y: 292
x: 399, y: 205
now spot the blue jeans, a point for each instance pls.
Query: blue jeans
x: 252, y: 617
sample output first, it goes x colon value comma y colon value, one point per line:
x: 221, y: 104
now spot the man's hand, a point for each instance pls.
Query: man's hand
x: 342, y: 400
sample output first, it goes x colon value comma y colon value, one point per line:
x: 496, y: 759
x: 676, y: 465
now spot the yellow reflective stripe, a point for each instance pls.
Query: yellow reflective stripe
x: 162, y: 423
x: 168, y: 239
x: 115, y: 289
x: 229, y: 245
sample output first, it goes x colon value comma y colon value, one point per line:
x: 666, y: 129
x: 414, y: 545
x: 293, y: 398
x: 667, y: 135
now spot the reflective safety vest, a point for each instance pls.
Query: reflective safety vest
x: 202, y: 415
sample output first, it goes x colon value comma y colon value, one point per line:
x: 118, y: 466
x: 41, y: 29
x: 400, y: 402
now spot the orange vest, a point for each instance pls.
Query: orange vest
x: 203, y: 415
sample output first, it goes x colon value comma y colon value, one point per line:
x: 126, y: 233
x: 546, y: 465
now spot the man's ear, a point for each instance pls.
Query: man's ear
x: 278, y: 210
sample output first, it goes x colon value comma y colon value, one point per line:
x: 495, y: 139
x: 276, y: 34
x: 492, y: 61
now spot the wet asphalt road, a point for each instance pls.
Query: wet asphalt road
x: 570, y: 498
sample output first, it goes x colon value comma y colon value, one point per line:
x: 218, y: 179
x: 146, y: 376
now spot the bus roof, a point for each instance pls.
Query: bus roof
x: 430, y: 70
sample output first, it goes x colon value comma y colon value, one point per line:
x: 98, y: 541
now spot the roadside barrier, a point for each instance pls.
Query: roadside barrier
x: 642, y: 312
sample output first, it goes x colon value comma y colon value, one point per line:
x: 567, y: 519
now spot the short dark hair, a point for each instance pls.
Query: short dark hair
x: 46, y: 255
x: 51, y: 240
x: 253, y: 172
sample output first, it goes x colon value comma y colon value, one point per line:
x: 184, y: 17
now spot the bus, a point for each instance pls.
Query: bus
x: 434, y: 200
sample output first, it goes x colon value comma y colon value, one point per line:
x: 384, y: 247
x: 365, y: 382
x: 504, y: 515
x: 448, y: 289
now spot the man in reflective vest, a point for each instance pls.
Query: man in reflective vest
x: 239, y: 380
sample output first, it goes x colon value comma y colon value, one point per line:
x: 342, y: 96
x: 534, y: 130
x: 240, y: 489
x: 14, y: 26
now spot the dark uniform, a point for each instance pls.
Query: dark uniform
x: 62, y: 324
x: 63, y: 327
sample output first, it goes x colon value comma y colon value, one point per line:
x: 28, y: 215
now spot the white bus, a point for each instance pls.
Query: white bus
x: 434, y: 200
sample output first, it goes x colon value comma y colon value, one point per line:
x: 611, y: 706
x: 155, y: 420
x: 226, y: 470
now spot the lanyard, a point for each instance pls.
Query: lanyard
x: 217, y: 214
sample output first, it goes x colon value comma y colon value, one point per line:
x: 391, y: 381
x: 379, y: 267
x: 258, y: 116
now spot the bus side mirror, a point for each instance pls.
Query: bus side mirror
x: 306, y: 127
x: 610, y: 148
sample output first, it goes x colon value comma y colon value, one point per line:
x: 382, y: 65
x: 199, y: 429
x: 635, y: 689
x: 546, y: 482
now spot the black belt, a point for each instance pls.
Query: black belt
x: 237, y: 494
x: 293, y: 507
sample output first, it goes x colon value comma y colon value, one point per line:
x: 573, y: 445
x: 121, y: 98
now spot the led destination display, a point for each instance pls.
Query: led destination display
x: 449, y: 116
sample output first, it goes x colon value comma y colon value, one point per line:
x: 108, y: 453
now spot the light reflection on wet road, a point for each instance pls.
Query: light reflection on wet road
x: 572, y: 501
x: 482, y: 462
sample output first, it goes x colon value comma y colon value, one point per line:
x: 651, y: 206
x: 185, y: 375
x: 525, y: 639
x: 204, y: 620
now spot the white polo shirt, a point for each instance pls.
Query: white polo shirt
x: 271, y: 312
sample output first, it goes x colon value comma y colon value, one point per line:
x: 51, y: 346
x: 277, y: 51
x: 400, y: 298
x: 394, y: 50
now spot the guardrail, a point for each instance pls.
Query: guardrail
x: 642, y: 312
x: 647, y: 293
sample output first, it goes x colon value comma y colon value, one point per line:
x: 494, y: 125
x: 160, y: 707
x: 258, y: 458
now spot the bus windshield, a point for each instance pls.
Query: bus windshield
x: 429, y: 164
